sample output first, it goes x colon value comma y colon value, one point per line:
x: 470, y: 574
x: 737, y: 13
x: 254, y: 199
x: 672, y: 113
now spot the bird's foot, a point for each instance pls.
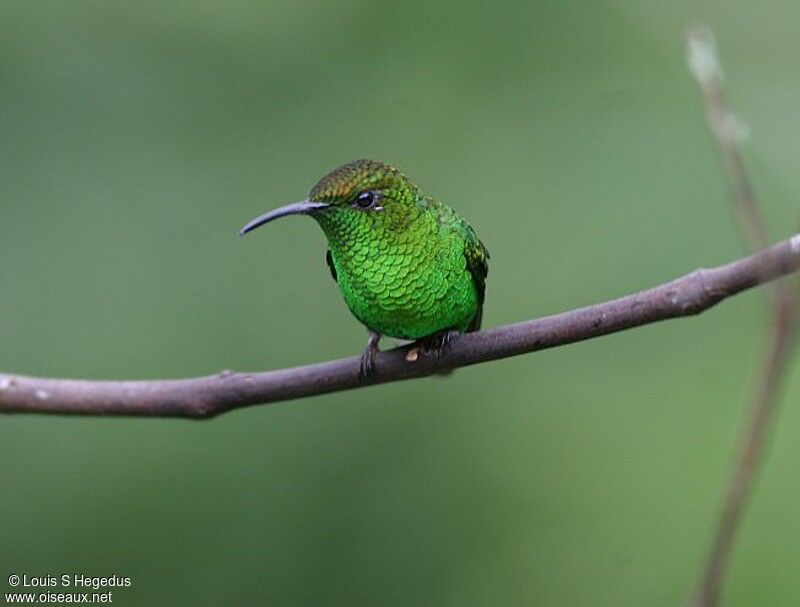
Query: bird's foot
x: 437, y: 344
x: 367, y: 367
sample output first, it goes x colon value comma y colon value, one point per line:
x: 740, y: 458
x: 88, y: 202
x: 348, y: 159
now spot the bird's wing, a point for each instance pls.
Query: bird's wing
x: 475, y: 252
x: 477, y: 256
x: 329, y: 261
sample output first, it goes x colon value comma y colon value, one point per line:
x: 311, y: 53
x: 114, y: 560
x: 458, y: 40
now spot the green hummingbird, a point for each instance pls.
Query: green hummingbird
x: 406, y: 264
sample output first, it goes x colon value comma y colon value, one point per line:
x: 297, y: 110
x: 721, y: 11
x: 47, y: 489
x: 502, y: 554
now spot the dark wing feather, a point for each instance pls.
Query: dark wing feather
x: 478, y: 265
x: 329, y: 261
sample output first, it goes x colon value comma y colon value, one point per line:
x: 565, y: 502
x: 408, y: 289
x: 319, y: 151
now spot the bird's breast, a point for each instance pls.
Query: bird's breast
x: 407, y: 288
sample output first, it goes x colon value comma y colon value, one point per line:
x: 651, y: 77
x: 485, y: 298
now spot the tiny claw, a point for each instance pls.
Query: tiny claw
x: 435, y: 345
x: 366, y: 368
x: 438, y: 343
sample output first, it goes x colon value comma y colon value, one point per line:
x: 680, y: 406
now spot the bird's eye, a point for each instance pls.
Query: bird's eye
x: 367, y: 200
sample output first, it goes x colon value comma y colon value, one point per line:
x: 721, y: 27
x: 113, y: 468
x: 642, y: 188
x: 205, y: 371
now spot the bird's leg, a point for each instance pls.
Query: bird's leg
x: 438, y: 343
x: 367, y: 367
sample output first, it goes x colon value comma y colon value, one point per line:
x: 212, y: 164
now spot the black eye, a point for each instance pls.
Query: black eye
x: 366, y: 200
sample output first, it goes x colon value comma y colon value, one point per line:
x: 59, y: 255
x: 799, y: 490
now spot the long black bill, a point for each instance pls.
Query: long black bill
x: 296, y: 208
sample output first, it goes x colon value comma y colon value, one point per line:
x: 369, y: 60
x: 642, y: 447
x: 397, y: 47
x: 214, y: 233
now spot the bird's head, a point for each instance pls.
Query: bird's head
x: 359, y: 193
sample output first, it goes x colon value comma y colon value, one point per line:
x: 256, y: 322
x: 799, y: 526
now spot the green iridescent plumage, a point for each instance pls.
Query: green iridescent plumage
x: 407, y: 265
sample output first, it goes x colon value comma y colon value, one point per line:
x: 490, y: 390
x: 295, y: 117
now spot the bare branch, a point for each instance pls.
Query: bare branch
x: 750, y: 453
x: 727, y: 131
x: 209, y: 396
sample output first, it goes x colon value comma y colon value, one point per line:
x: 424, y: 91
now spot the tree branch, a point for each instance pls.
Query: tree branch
x: 206, y: 397
x: 727, y: 132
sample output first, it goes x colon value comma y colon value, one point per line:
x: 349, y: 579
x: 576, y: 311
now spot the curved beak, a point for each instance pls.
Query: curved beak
x: 296, y: 208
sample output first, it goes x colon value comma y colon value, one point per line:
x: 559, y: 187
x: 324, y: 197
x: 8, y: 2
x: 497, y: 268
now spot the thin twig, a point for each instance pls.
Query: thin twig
x: 727, y: 132
x: 209, y: 396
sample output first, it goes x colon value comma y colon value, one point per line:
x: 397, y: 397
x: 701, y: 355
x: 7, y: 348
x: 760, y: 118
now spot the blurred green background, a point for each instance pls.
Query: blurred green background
x: 136, y: 138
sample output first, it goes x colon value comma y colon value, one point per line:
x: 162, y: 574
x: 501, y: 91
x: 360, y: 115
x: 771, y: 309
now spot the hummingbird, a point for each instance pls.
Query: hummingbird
x: 406, y: 264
